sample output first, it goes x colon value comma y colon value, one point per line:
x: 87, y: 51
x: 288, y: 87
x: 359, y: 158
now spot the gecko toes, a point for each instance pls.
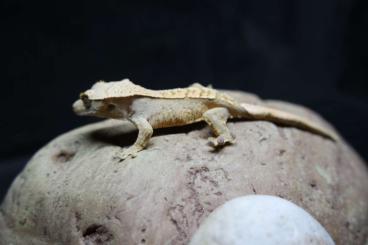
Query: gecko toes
x: 125, y: 154
x: 212, y: 142
x: 220, y: 141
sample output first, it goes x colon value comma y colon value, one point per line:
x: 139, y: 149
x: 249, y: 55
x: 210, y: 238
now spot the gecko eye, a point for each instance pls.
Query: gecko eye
x: 86, y: 101
x: 110, y: 107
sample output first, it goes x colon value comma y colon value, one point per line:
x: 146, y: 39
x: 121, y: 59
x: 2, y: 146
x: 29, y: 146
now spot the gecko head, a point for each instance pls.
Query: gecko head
x: 108, y: 99
x: 106, y: 108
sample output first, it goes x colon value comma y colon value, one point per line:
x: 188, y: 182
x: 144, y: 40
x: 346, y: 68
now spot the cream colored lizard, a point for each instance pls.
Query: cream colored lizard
x: 150, y: 109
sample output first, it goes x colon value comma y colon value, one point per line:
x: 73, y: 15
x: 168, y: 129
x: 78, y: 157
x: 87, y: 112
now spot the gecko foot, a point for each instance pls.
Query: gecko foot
x: 130, y: 152
x: 220, y: 141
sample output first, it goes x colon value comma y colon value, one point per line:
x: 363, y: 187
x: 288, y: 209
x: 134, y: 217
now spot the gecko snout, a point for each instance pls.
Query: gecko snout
x: 78, y: 107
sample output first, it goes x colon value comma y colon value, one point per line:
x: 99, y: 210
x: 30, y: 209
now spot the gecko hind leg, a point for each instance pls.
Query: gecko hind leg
x: 216, y: 118
x: 144, y: 135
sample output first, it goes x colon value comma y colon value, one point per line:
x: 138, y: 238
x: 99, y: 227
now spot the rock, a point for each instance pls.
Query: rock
x: 262, y: 220
x: 73, y: 191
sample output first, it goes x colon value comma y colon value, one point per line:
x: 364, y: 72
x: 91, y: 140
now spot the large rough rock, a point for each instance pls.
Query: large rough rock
x: 74, y: 192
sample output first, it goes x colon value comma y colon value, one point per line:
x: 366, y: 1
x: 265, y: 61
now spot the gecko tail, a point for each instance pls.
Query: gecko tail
x: 258, y: 112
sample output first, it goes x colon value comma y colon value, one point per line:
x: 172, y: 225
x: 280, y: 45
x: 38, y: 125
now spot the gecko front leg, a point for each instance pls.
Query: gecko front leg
x: 144, y: 135
x: 216, y: 118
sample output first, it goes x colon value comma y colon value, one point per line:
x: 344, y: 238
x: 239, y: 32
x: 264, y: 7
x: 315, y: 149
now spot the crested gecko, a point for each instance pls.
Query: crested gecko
x: 151, y: 109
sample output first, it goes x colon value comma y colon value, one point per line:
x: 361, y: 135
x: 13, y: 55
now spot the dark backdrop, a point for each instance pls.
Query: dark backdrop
x: 308, y: 52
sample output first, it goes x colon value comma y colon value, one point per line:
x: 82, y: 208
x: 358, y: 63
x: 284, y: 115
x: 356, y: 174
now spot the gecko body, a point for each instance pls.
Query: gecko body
x: 151, y: 109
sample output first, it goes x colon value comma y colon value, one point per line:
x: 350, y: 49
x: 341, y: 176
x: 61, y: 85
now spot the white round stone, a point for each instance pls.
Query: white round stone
x: 260, y: 219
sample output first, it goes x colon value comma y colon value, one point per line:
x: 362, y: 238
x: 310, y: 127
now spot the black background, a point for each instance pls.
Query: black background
x: 308, y: 52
